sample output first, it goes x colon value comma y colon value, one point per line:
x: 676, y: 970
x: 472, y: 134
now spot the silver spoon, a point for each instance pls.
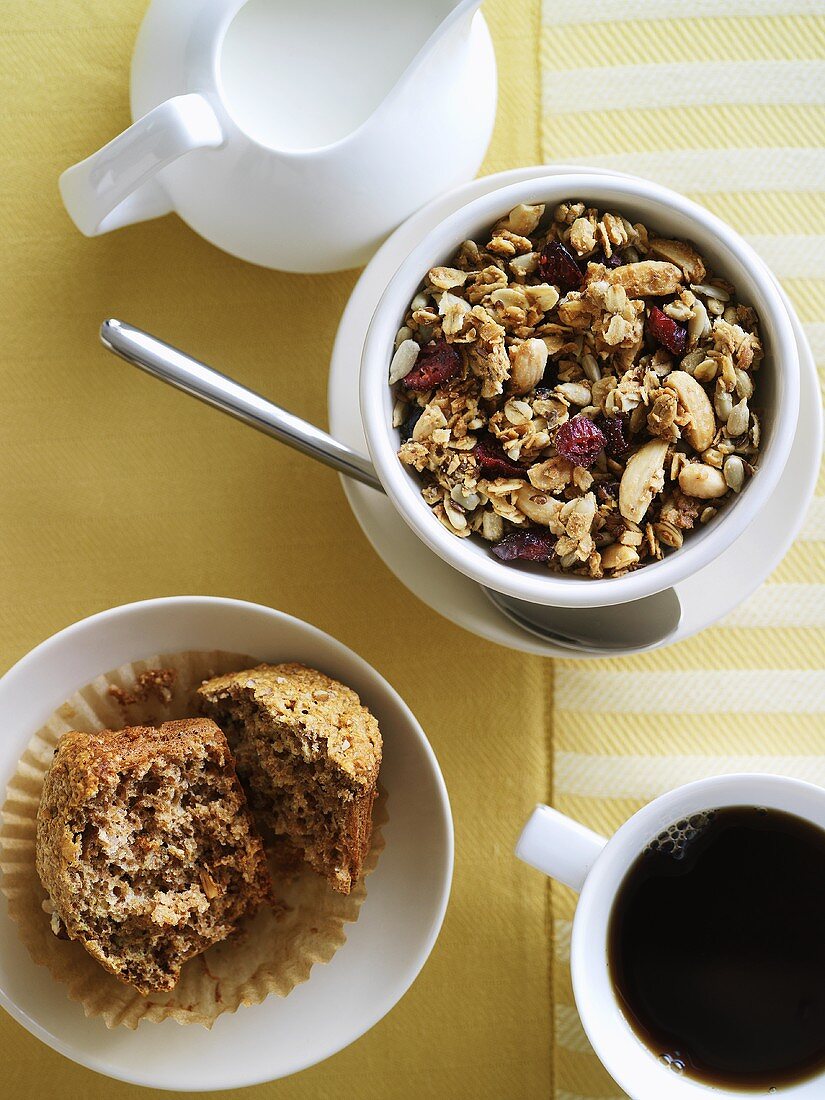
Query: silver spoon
x: 640, y: 624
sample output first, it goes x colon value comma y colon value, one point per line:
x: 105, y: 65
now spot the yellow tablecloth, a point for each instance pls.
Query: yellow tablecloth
x: 114, y: 489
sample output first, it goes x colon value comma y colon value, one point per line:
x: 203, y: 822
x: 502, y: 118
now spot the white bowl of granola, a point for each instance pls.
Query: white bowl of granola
x: 579, y: 390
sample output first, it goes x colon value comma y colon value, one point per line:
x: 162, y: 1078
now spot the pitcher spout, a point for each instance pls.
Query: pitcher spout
x: 451, y: 28
x: 458, y: 14
x: 467, y: 7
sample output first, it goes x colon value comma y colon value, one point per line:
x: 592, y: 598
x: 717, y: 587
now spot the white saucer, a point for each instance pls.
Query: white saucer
x: 706, y: 597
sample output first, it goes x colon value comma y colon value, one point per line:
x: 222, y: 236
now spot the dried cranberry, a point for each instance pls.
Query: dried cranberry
x: 599, y: 257
x: 493, y: 462
x: 409, y: 424
x: 558, y: 266
x: 437, y: 361
x: 580, y: 441
x: 613, y: 429
x: 530, y: 545
x: 667, y: 332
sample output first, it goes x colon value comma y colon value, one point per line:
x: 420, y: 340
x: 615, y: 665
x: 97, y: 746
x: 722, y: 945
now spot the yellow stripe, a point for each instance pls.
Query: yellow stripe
x: 708, y: 734
x: 807, y: 295
x: 803, y: 564
x: 735, y: 648
x: 576, y: 135
x: 750, y: 212
x: 679, y: 40
x: 694, y: 691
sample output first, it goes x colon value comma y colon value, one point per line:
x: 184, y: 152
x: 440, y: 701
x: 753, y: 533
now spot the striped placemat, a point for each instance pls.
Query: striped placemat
x: 724, y: 101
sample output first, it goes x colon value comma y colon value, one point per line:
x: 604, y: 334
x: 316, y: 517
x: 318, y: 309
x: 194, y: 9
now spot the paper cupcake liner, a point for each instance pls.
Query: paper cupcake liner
x: 272, y: 952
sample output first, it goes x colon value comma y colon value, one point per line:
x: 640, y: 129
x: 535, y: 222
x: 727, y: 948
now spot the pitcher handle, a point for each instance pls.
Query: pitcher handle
x: 559, y: 846
x: 115, y: 186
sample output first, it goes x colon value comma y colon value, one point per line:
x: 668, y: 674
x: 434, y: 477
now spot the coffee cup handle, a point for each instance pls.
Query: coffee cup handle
x: 116, y: 186
x: 559, y: 846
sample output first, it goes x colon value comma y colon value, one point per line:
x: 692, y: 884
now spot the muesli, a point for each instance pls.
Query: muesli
x: 576, y: 390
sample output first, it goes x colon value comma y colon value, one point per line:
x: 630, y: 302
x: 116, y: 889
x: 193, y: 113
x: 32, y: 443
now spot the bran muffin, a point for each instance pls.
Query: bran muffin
x: 308, y: 753
x: 146, y: 847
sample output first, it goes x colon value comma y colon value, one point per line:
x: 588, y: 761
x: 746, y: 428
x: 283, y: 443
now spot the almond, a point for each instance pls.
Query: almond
x: 701, y: 426
x: 642, y: 479
x: 527, y: 363
x: 540, y: 507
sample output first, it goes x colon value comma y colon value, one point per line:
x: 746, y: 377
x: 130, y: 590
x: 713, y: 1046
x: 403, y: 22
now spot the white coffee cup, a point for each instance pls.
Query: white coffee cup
x: 595, y: 867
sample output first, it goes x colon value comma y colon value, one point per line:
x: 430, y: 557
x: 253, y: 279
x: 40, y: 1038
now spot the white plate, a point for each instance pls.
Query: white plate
x: 406, y: 894
x: 706, y: 597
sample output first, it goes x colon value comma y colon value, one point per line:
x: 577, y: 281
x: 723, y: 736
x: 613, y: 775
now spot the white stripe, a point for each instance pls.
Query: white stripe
x: 569, y: 1031
x: 700, y: 691
x: 646, y: 777
x: 813, y: 530
x: 782, y: 605
x: 618, y: 11
x: 815, y: 332
x: 791, y: 256
x: 720, y: 169
x: 684, y: 84
x: 562, y: 930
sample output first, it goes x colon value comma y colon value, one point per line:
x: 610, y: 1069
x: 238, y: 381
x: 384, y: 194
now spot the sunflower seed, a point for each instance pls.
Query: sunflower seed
x: 734, y: 471
x: 738, y: 420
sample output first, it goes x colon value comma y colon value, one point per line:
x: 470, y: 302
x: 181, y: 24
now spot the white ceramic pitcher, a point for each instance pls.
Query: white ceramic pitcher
x: 294, y: 135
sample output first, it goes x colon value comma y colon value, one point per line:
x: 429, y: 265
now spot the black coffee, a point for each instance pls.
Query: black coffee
x: 717, y: 948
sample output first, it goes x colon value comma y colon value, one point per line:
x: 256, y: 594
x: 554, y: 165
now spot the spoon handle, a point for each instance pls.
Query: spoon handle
x: 197, y: 379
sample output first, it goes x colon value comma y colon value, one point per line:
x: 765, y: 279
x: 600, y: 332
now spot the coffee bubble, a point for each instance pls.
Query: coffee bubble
x: 675, y: 841
x: 674, y: 1062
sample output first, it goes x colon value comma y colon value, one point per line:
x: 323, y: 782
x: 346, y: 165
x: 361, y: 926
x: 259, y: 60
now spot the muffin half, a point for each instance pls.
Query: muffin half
x: 308, y: 753
x: 146, y: 847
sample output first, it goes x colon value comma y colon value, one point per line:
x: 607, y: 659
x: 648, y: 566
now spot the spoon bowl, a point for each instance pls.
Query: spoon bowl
x: 640, y: 624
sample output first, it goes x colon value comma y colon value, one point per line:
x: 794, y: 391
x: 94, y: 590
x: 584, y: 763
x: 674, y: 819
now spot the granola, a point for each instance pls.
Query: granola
x: 577, y: 391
